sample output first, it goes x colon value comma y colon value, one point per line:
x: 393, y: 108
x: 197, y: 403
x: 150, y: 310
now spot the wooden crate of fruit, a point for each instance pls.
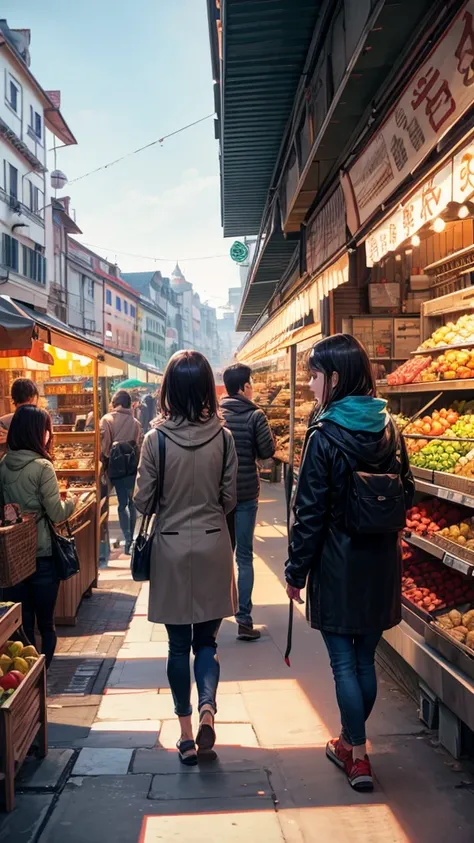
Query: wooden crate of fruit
x: 453, y: 481
x: 22, y: 702
x: 453, y: 548
x: 452, y: 635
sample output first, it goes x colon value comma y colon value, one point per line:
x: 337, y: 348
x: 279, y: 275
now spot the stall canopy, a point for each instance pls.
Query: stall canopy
x: 16, y: 328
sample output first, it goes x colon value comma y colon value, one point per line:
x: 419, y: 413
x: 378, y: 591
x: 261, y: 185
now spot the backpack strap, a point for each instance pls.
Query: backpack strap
x: 224, y: 457
x: 161, y: 473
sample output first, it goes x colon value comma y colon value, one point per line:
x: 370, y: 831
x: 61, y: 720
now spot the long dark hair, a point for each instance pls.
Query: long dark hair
x: 188, y: 389
x: 345, y: 355
x: 27, y: 431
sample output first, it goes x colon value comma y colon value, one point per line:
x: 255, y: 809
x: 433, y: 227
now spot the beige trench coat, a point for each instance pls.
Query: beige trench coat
x: 192, y: 572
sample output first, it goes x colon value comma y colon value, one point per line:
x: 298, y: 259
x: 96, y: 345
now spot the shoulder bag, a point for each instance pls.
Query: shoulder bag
x: 141, y: 551
x: 64, y: 552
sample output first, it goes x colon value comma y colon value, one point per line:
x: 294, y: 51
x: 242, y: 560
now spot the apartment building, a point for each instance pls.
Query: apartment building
x: 121, y: 303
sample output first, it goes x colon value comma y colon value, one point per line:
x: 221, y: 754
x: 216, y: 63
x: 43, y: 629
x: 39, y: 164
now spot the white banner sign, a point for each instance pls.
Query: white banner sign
x: 434, y: 99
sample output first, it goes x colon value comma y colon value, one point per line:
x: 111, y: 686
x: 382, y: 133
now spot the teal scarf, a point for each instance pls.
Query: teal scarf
x: 358, y: 412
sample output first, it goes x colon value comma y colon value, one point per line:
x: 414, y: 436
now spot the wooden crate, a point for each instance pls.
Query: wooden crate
x: 22, y: 717
x: 453, y: 548
x: 454, y: 481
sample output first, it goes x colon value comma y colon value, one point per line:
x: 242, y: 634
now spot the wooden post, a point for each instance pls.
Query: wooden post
x: 97, y: 465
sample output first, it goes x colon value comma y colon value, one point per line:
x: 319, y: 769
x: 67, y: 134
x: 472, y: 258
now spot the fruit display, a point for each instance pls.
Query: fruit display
x: 400, y: 420
x: 453, y: 333
x: 432, y: 516
x: 461, y: 533
x: 459, y: 625
x: 16, y: 661
x: 465, y: 466
x: 441, y: 455
x: 431, y: 586
x: 408, y: 372
x: 435, y: 425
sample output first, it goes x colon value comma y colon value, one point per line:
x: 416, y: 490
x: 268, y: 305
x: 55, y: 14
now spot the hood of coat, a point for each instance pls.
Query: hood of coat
x: 237, y: 404
x: 368, y: 448
x: 186, y: 434
x: 16, y: 460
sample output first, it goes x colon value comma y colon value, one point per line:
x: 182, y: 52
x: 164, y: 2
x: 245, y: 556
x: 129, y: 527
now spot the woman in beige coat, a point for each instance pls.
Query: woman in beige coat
x: 192, y: 584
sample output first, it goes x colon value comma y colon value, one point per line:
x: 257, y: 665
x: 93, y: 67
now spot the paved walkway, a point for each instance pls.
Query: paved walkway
x: 115, y: 774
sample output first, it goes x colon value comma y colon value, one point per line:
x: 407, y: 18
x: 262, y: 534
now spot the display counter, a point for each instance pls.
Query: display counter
x: 83, y: 527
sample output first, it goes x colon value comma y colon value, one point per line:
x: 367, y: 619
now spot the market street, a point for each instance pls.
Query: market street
x: 119, y: 777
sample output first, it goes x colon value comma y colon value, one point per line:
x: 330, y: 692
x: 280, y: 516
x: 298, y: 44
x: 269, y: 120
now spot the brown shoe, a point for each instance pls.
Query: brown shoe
x: 248, y: 633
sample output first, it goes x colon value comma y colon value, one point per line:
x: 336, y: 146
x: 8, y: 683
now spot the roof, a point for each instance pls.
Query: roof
x: 264, y: 48
x: 177, y: 273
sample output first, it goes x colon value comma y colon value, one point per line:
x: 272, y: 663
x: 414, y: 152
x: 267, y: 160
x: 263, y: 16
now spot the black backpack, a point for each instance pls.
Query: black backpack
x: 375, y: 503
x: 123, y: 460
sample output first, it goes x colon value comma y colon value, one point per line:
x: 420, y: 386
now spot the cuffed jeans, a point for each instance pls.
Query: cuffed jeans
x: 38, y: 595
x: 202, y: 638
x: 124, y: 487
x: 353, y: 665
x: 245, y: 517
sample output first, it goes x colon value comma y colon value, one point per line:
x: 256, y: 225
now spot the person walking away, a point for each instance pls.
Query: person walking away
x: 253, y: 441
x: 350, y: 504
x: 192, y: 584
x: 24, y: 391
x: 147, y: 412
x: 27, y: 478
x: 121, y: 438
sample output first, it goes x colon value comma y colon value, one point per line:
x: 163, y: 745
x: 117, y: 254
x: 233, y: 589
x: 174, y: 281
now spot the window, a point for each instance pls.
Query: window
x: 36, y: 124
x: 108, y: 297
x: 133, y: 311
x: 90, y: 289
x: 108, y: 330
x: 34, y: 265
x: 125, y: 307
x: 118, y: 303
x: 10, y: 252
x: 13, y: 181
x: 14, y: 96
x: 35, y: 198
x: 125, y: 338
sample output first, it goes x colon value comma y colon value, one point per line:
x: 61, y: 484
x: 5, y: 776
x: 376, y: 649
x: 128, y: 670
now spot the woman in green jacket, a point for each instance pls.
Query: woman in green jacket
x: 27, y: 478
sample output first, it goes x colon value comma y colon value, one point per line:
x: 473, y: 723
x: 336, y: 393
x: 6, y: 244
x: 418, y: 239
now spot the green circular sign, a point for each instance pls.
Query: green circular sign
x: 239, y: 251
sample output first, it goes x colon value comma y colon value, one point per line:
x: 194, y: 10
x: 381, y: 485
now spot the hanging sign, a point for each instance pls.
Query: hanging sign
x: 239, y: 251
x: 326, y: 232
x: 435, y: 98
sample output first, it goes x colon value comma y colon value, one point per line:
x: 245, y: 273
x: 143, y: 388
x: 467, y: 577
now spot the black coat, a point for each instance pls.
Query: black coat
x: 253, y: 441
x: 353, y: 582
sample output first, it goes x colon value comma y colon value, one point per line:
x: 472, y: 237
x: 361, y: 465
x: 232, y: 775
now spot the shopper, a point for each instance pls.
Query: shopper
x: 192, y: 582
x: 121, y: 438
x: 353, y: 490
x: 253, y: 441
x: 27, y: 478
x: 23, y: 391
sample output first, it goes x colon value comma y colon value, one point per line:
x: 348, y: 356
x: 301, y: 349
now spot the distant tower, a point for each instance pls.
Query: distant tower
x: 177, y: 274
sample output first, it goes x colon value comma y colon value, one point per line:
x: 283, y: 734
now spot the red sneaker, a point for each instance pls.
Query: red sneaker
x: 360, y: 775
x: 336, y: 752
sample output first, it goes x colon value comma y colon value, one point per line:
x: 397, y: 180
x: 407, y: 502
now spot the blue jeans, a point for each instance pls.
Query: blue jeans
x: 353, y: 665
x: 124, y: 487
x: 38, y: 595
x: 245, y: 519
x: 202, y: 638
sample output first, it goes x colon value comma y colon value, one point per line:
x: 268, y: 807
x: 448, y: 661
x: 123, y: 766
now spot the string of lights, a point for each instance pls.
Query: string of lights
x: 141, y: 148
x: 152, y: 257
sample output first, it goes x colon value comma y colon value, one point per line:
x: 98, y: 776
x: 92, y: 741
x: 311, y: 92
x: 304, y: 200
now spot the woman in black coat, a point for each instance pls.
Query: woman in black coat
x: 345, y: 544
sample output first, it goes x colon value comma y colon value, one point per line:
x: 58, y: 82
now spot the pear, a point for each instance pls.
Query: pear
x: 29, y: 651
x: 14, y: 649
x: 21, y: 665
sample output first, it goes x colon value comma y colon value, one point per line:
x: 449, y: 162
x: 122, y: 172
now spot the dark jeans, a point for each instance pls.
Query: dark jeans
x: 38, y: 595
x: 353, y: 665
x: 127, y: 513
x: 241, y: 524
x: 202, y: 638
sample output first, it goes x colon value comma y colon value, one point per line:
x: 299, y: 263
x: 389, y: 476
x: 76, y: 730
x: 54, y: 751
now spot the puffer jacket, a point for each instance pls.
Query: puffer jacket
x: 29, y: 480
x: 353, y: 581
x: 253, y: 441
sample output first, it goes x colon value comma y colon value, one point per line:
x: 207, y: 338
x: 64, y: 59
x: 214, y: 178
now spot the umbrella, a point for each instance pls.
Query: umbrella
x: 133, y: 383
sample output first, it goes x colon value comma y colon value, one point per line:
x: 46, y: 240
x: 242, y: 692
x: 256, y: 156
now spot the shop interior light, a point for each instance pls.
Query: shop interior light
x: 408, y: 251
x: 463, y: 212
x: 439, y: 225
x: 398, y: 257
x: 415, y: 240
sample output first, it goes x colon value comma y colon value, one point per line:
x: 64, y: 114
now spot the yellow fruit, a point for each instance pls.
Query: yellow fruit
x: 461, y: 540
x: 31, y: 660
x: 5, y: 662
x: 21, y: 665
x: 463, y: 529
x: 29, y: 651
x: 15, y: 649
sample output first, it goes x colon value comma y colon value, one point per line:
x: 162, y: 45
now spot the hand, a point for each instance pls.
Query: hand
x: 294, y: 594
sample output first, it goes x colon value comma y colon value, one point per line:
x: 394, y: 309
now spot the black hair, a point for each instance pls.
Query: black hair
x: 188, y: 390
x: 122, y: 398
x: 235, y: 378
x: 27, y: 431
x: 23, y: 391
x: 344, y: 355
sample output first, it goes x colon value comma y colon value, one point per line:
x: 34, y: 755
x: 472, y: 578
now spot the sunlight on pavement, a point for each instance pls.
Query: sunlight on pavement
x: 213, y: 828
x: 352, y: 824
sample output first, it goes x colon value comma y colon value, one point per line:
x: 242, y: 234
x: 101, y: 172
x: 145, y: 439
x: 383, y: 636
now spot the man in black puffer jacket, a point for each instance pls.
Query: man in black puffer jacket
x: 253, y: 441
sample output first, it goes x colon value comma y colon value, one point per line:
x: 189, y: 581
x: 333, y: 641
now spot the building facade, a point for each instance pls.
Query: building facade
x: 153, y: 286
x: 121, y: 304
x: 152, y: 322
x: 27, y: 114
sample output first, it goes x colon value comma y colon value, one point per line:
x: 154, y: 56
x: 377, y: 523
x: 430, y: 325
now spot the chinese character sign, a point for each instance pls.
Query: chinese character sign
x: 433, y: 100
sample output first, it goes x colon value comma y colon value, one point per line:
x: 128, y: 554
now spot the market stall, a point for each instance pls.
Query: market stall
x: 66, y: 369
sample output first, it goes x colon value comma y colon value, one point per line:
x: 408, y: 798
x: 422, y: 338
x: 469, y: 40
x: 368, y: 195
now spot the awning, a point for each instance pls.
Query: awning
x: 55, y: 332
x: 16, y: 328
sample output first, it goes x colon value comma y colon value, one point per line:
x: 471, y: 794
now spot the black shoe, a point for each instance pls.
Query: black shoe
x: 128, y: 546
x: 248, y: 633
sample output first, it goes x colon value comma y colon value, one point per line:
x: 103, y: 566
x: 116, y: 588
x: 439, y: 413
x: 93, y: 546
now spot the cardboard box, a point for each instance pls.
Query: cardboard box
x: 406, y: 337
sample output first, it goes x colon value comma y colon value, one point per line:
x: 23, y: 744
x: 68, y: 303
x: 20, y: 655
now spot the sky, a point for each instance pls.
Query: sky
x: 130, y: 73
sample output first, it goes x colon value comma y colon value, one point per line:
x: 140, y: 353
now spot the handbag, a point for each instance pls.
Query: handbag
x: 140, y: 563
x: 64, y: 552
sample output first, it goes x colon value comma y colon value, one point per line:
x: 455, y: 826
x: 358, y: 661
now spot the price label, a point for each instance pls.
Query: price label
x: 450, y: 495
x: 458, y: 564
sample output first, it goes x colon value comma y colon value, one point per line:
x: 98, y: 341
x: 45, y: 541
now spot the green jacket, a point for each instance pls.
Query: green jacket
x: 30, y: 481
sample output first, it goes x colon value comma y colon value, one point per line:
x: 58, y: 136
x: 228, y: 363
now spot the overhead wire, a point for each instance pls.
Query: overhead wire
x: 151, y: 257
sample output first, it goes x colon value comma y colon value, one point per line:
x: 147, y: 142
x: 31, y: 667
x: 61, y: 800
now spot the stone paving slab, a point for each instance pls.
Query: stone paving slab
x: 145, y: 706
x: 45, y: 773
x: 202, y: 828
x: 147, y: 674
x: 102, y: 762
x: 230, y: 759
x: 140, y: 630
x: 288, y: 720
x: 253, y: 783
x: 143, y: 650
x: 128, y: 734
x: 228, y: 734
x: 23, y: 823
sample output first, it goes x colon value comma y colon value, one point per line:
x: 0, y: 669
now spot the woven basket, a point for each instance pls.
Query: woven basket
x: 18, y: 551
